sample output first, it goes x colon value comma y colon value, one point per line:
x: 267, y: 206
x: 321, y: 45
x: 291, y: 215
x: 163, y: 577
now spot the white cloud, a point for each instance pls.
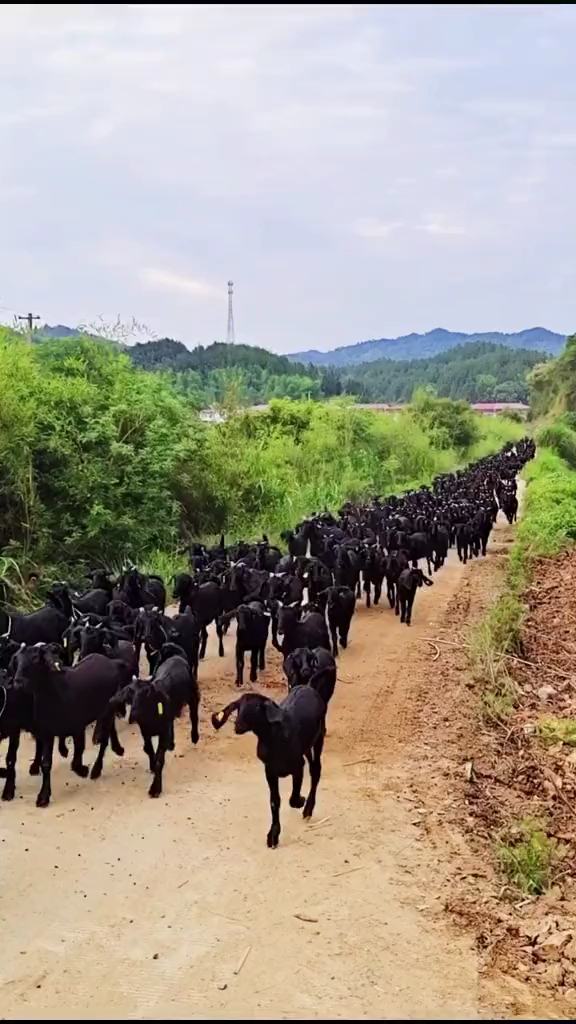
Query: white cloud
x: 263, y: 141
x: 167, y: 280
x: 370, y: 228
x: 443, y: 226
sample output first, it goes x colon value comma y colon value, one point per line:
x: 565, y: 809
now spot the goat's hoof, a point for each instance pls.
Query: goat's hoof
x: 297, y: 801
x: 154, y: 790
x: 80, y: 769
x: 344, y: 642
x: 308, y: 810
x: 254, y: 677
x: 8, y: 792
x: 195, y: 737
x: 42, y: 800
x: 3, y: 773
x: 272, y: 839
x: 34, y: 769
x: 96, y: 771
x: 119, y: 751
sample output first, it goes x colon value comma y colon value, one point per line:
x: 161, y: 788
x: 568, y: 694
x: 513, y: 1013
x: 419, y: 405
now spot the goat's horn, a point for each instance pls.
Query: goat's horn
x: 219, y: 718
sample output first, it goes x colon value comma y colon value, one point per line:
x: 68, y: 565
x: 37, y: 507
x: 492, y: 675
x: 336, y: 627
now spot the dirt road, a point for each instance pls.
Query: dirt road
x: 115, y: 906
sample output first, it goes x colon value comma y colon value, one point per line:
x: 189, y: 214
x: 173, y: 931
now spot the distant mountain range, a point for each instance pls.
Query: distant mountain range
x: 423, y: 346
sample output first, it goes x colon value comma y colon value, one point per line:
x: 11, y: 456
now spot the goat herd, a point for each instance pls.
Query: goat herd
x: 75, y: 662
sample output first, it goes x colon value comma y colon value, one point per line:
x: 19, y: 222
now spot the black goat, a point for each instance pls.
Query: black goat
x: 17, y: 716
x: 373, y: 574
x: 138, y: 590
x: 100, y: 640
x: 46, y: 626
x: 315, y: 668
x: 408, y: 583
x: 396, y: 562
x: 340, y: 605
x: 184, y: 631
x: 287, y: 733
x: 66, y: 700
x: 251, y: 635
x: 156, y: 702
x: 205, y: 601
x: 509, y: 506
x: 302, y: 628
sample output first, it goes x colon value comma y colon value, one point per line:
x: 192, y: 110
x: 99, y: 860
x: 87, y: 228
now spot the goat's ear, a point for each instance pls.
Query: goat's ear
x: 273, y: 713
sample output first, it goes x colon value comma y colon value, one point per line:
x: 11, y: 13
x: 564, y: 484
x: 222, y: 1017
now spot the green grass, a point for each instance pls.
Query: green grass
x: 529, y: 857
x: 558, y: 730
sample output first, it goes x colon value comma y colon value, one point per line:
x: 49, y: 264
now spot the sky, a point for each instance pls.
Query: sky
x: 358, y: 170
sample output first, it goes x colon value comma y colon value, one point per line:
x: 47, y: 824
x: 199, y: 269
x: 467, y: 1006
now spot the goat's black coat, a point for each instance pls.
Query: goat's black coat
x: 286, y: 733
x: 66, y: 701
x: 156, y: 702
x: 315, y: 668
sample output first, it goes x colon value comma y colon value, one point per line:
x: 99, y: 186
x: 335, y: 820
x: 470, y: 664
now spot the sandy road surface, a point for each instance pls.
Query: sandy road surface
x: 117, y: 906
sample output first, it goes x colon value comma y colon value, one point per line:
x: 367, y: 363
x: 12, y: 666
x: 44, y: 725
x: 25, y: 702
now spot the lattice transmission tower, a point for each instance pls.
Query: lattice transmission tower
x: 230, y: 337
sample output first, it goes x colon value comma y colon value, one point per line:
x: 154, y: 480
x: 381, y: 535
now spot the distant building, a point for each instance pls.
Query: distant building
x: 494, y: 408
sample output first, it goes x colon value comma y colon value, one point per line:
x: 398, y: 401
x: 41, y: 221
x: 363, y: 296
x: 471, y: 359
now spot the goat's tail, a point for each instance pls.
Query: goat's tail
x: 219, y: 718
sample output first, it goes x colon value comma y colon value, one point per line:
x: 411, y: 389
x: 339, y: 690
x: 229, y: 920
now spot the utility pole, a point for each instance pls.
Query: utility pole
x: 230, y: 337
x: 30, y: 318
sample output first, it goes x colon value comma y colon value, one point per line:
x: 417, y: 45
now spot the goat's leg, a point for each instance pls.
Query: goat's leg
x: 149, y: 749
x: 203, y: 641
x: 262, y: 657
x: 11, y: 757
x: 274, y: 832
x: 35, y: 764
x: 43, y: 798
x: 344, y: 637
x: 296, y: 798
x: 402, y: 609
x: 315, y: 764
x: 377, y: 591
x: 367, y: 592
x: 62, y: 748
x: 99, y: 762
x: 334, y: 637
x: 114, y: 741
x: 219, y: 635
x: 391, y: 594
x: 156, y: 786
x: 254, y: 665
x: 77, y: 765
x: 274, y: 617
x: 409, y: 603
x: 239, y: 664
x: 193, y: 702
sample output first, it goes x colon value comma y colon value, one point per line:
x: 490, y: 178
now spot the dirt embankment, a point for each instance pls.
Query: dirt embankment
x: 499, y: 775
x: 118, y: 907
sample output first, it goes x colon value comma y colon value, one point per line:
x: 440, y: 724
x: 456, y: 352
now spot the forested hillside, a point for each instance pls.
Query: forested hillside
x: 246, y: 375
x: 423, y: 346
x: 478, y: 372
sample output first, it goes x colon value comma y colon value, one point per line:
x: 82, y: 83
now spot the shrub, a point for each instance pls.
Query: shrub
x: 528, y: 856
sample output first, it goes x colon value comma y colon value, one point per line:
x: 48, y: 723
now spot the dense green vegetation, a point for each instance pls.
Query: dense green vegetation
x: 100, y: 460
x: 477, y: 372
x: 211, y: 375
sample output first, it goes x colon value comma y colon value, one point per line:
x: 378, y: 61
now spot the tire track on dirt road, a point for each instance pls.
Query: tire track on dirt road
x: 115, y: 906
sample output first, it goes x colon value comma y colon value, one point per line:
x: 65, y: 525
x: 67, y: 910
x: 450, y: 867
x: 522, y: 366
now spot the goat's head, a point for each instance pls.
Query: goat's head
x: 255, y: 713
